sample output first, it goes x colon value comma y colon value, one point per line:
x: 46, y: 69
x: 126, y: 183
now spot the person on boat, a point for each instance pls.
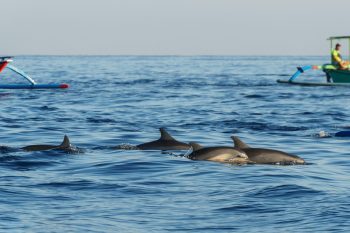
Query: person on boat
x: 337, y: 59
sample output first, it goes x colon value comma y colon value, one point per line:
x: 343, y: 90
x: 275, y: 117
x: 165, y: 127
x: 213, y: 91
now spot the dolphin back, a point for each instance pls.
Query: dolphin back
x: 165, y: 142
x: 38, y: 147
x: 195, y: 146
x: 238, y: 143
x: 65, y: 143
x: 221, y: 154
x: 269, y: 156
x: 266, y: 156
x: 164, y: 135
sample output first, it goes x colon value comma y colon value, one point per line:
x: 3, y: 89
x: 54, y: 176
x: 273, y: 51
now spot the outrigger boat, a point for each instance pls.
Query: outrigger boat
x: 340, y: 77
x: 4, y: 63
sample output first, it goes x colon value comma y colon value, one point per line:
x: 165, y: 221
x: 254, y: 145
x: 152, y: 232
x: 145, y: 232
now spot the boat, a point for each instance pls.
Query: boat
x: 335, y: 76
x: 31, y: 84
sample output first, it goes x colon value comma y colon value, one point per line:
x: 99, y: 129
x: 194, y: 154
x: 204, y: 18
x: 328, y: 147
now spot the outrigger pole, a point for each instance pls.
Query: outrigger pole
x: 20, y: 72
x: 299, y: 72
x: 4, y: 63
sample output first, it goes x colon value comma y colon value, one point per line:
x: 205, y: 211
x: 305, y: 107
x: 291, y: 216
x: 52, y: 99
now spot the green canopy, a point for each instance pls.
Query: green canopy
x: 338, y: 37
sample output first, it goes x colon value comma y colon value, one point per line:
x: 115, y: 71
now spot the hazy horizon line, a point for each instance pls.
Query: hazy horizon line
x: 168, y: 55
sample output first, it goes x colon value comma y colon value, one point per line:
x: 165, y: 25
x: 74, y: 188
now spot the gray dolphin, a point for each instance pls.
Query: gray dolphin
x: 165, y: 142
x: 65, y: 145
x: 222, y: 154
x: 267, y: 156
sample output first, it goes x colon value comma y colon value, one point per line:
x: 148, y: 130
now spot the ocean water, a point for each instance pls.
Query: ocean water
x: 123, y: 100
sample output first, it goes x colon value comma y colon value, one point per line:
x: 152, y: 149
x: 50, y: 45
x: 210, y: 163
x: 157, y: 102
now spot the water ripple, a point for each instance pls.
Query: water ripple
x: 286, y: 191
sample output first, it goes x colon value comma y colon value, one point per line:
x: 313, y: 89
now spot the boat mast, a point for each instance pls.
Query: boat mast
x: 349, y: 47
x: 331, y: 48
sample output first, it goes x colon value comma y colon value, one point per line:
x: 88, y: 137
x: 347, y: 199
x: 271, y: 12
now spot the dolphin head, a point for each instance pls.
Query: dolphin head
x: 239, y: 160
x: 240, y: 157
x: 241, y: 154
x: 291, y: 161
x: 299, y: 161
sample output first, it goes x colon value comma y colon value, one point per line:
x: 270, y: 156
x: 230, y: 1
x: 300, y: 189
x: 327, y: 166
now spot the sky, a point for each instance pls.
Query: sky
x: 171, y: 27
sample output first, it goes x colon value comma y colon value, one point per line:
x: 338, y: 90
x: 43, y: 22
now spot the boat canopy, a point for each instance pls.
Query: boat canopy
x: 5, y: 59
x: 338, y: 37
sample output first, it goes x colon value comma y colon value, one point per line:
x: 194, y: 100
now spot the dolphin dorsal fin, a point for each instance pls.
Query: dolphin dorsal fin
x: 195, y: 146
x: 66, y: 142
x: 238, y: 143
x: 164, y: 135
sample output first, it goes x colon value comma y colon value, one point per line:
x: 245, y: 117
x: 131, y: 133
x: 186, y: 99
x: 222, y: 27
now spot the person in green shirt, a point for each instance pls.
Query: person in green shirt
x: 337, y: 59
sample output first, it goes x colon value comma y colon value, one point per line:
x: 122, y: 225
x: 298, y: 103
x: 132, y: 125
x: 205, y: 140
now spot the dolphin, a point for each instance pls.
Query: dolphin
x: 165, y: 142
x: 342, y: 134
x: 65, y: 145
x: 222, y: 154
x: 267, y: 156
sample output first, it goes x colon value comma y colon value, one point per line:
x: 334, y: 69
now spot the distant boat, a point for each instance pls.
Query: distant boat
x: 4, y: 63
x: 338, y: 76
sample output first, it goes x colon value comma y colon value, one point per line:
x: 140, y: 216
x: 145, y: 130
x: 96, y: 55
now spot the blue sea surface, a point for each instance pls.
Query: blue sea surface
x: 124, y: 100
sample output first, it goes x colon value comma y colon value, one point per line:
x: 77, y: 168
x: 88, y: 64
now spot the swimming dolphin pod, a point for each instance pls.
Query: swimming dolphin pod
x: 65, y: 146
x: 241, y: 153
x: 165, y: 142
x: 266, y: 156
x: 222, y: 154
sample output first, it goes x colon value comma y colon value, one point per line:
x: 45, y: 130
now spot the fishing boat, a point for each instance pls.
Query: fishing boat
x: 31, y: 84
x: 335, y: 76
